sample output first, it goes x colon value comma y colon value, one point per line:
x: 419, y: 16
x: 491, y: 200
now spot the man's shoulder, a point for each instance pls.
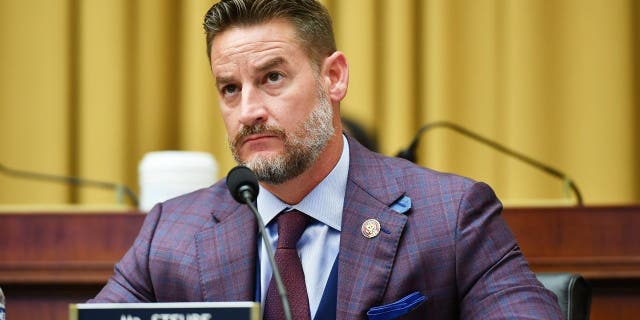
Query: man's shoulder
x: 217, y: 191
x: 431, y: 191
x: 198, y: 204
x: 405, y: 172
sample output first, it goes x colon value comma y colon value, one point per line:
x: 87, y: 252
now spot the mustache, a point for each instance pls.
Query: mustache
x: 261, y: 128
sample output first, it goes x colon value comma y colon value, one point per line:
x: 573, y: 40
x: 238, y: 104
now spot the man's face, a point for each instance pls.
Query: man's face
x: 277, y: 115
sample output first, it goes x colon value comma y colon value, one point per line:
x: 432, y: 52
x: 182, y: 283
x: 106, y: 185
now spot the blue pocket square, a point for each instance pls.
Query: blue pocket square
x: 396, y: 309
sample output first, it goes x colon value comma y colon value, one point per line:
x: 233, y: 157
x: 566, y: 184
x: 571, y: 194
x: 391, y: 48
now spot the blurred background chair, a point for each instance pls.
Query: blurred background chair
x: 572, y: 291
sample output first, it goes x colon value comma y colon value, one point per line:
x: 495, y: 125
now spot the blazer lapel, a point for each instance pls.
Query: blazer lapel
x: 226, y: 253
x: 365, y: 264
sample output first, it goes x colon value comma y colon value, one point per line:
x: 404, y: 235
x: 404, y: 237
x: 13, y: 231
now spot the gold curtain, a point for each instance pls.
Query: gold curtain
x: 88, y: 87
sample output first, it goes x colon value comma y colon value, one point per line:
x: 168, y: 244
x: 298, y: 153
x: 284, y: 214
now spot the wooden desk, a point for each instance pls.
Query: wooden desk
x: 601, y: 243
x: 49, y: 260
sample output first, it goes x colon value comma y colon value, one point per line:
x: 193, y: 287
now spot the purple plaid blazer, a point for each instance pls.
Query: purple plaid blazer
x: 452, y: 246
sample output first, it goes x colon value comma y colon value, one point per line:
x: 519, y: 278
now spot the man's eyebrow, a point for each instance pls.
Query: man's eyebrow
x: 270, y: 64
x: 222, y: 80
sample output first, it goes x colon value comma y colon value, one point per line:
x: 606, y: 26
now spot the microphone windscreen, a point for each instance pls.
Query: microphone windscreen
x: 241, y: 178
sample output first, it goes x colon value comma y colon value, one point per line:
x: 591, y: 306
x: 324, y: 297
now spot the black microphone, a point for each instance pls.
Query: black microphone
x: 243, y: 186
x: 410, y: 153
x: 119, y: 188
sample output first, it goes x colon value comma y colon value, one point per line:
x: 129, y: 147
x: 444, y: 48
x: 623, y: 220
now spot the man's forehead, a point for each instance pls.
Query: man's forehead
x: 255, y: 37
x: 254, y: 47
x: 256, y: 58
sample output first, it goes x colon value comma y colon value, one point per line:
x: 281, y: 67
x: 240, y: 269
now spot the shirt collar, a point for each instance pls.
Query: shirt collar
x: 324, y: 203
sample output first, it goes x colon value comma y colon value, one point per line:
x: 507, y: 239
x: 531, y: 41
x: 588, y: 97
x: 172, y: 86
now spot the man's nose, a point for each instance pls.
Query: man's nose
x: 253, y: 109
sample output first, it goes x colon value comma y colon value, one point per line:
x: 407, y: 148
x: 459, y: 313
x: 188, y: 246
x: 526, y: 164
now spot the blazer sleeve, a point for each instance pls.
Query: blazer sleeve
x: 131, y: 281
x: 493, y: 278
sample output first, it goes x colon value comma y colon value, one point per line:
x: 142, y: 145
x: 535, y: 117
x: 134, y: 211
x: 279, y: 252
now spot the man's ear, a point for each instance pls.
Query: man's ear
x: 335, y: 73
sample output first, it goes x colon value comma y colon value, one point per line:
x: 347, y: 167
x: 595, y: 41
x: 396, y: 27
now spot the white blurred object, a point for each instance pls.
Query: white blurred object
x: 167, y: 174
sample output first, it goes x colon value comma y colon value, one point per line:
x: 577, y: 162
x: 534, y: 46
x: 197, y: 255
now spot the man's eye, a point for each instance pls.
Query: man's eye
x: 229, y: 89
x: 274, y: 77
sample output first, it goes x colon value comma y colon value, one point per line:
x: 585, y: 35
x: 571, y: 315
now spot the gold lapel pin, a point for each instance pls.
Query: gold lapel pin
x: 370, y: 228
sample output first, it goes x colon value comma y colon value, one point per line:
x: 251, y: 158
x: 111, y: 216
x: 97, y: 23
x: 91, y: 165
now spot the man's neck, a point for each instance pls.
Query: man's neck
x: 294, y: 190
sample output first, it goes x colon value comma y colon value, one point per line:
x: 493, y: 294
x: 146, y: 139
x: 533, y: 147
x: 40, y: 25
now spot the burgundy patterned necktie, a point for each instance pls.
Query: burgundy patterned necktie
x: 291, y: 225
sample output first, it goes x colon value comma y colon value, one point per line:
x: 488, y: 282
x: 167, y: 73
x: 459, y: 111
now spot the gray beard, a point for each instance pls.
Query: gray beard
x: 302, y: 147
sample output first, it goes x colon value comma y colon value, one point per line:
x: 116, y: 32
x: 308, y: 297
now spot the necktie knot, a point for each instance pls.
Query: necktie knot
x: 291, y: 225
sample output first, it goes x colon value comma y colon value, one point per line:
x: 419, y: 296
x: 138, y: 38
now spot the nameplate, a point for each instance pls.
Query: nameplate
x: 165, y: 311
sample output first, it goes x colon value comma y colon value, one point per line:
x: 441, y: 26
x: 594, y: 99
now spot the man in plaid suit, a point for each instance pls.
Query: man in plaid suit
x: 389, y: 239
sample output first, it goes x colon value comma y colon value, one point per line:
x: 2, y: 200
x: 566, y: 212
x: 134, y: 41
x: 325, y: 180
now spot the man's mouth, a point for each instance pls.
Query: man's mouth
x: 256, y: 138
